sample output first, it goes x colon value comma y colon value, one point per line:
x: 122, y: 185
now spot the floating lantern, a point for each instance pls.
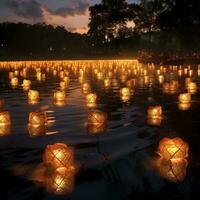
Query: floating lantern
x: 184, y: 98
x: 59, y: 96
x: 154, y: 112
x: 61, y: 182
x: 37, y: 118
x: 91, y: 98
x: 97, y: 117
x: 11, y: 75
x: 14, y: 82
x: 35, y: 131
x: 173, y: 170
x: 86, y: 88
x: 107, y: 83
x: 161, y: 79
x: 173, y: 148
x: 5, y: 118
x: 4, y: 129
x: 26, y: 83
x: 131, y: 83
x: 125, y: 99
x: 125, y: 91
x: 63, y: 85
x: 33, y: 95
x: 192, y: 87
x: 59, y: 155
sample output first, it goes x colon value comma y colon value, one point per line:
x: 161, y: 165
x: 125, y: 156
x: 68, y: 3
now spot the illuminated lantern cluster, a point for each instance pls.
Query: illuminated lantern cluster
x: 173, y: 148
x: 173, y: 170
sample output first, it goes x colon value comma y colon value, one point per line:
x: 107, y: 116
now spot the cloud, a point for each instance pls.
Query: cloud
x: 74, y: 8
x: 26, y: 8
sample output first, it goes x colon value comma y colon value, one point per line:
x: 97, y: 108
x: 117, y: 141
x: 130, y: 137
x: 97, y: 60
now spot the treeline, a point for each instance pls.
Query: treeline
x: 39, y: 41
x: 116, y: 29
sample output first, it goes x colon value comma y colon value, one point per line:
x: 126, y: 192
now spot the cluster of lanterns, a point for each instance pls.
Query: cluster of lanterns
x: 172, y: 163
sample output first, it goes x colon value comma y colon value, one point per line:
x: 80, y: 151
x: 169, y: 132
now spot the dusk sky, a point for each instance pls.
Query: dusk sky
x: 73, y: 14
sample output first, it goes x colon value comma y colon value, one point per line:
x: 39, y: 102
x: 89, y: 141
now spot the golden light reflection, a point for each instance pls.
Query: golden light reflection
x: 173, y: 170
x: 35, y: 131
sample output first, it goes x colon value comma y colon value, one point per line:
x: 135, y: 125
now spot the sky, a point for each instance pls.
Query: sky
x: 72, y: 14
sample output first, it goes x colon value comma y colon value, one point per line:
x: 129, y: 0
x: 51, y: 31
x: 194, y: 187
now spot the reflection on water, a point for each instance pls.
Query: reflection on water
x: 107, y: 110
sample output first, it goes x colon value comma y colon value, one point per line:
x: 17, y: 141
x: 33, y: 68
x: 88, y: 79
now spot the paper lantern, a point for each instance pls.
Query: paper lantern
x: 184, y: 106
x: 86, y: 88
x: 33, y: 95
x: 14, y: 82
x: 154, y: 112
x: 97, y: 117
x: 173, y: 170
x: 63, y: 85
x: 61, y: 182
x: 161, y: 79
x: 11, y: 75
x: 192, y: 87
x: 26, y: 83
x: 173, y: 148
x: 4, y: 129
x: 125, y: 99
x: 37, y: 118
x: 35, y: 131
x: 184, y: 98
x: 59, y: 155
x: 125, y: 91
x: 91, y: 98
x: 107, y: 83
x: 5, y: 118
x: 59, y: 96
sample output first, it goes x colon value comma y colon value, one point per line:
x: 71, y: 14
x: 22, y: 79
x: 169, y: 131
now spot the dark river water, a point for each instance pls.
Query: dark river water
x: 116, y: 158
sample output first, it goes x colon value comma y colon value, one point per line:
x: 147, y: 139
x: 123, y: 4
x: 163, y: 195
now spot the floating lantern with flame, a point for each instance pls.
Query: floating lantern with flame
x: 59, y: 155
x: 14, y: 82
x: 192, y: 87
x: 184, y: 98
x: 173, y: 170
x: 86, y: 88
x: 59, y: 96
x: 61, y: 182
x: 91, y: 98
x: 173, y: 148
x: 154, y: 112
x: 5, y: 118
x: 37, y: 118
x: 26, y: 83
x: 33, y: 95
